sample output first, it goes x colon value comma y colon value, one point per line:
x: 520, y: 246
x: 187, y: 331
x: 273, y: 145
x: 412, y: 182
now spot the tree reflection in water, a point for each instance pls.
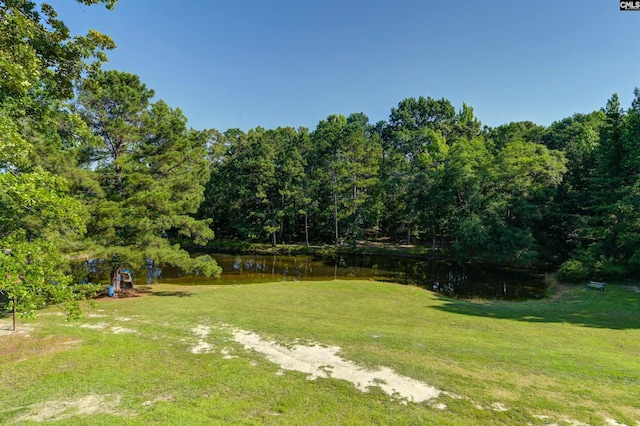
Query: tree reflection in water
x: 451, y: 279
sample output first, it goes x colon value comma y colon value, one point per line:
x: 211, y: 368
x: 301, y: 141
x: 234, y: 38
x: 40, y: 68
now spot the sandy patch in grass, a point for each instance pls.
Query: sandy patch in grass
x: 202, y: 347
x: 201, y: 331
x: 612, y: 422
x: 122, y: 330
x: 499, y: 406
x: 103, y: 326
x: 318, y: 361
x: 63, y: 409
x: 6, y: 327
x: 162, y: 398
x: 574, y: 422
x: 98, y: 326
x: 226, y: 354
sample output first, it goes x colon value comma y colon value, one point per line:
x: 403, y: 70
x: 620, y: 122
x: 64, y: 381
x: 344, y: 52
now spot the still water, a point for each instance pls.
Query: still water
x: 451, y: 279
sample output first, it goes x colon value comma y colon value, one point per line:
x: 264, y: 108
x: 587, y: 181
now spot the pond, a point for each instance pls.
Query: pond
x: 451, y: 279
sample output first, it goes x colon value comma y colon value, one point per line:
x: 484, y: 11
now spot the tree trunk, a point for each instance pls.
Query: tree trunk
x: 115, y: 277
x: 282, y: 223
x: 15, y: 302
x: 335, y: 205
x: 281, y: 231
x: 335, y: 216
x: 306, y: 228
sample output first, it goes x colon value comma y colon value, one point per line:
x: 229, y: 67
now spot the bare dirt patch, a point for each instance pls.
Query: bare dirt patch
x: 63, y: 409
x: 106, y: 327
x: 499, y: 406
x: 202, y: 347
x: 162, y: 398
x: 139, y: 291
x: 319, y: 361
x: 98, y: 326
x: 121, y: 330
x: 96, y: 316
x: 6, y: 327
x: 17, y: 347
x: 613, y: 422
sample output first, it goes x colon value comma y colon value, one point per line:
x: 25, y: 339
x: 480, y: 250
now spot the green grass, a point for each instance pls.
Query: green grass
x: 573, y: 357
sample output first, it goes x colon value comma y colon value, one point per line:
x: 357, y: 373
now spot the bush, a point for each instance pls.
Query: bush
x: 573, y: 271
x: 607, y: 269
x: 585, y: 266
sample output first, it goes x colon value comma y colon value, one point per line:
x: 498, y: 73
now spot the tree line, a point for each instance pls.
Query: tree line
x: 517, y: 194
x: 92, y: 166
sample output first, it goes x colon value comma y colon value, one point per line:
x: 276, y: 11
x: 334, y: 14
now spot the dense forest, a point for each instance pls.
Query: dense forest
x: 92, y: 165
x: 518, y: 194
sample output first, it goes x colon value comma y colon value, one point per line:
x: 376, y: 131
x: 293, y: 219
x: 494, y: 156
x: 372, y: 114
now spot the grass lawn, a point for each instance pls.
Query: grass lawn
x: 170, y: 358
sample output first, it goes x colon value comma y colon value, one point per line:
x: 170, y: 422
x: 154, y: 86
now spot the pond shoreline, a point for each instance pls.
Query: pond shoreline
x: 363, y: 249
x: 469, y: 280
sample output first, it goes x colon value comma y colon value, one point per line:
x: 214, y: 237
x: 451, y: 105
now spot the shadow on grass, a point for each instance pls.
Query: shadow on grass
x: 172, y: 293
x: 616, y: 308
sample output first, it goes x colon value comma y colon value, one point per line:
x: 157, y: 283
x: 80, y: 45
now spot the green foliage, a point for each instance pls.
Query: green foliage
x: 518, y: 194
x: 609, y: 269
x: 149, y: 172
x: 348, y: 161
x: 574, y: 271
x: 521, y: 130
x: 34, y: 275
x: 38, y: 53
x: 39, y: 64
x: 258, y: 184
x: 130, y: 172
x: 590, y: 265
x: 499, y: 196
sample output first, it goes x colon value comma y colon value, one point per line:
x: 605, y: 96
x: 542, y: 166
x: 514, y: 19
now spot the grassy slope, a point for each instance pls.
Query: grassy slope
x: 574, y: 357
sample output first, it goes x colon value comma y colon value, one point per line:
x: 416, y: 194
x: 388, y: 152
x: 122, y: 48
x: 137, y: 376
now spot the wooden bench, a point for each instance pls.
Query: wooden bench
x: 597, y: 285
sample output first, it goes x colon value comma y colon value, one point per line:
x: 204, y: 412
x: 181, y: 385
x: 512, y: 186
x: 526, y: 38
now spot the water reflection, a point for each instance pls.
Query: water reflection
x: 463, y: 281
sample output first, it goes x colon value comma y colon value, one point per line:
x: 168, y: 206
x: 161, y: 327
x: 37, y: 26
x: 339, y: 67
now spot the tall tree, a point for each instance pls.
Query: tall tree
x: 150, y: 169
x: 608, y: 182
x: 629, y: 240
x: 39, y: 64
x: 500, y: 196
x: 348, y: 169
x: 413, y: 127
x: 562, y: 230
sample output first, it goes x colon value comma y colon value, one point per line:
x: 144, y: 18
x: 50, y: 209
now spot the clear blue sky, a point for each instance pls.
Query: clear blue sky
x: 270, y: 63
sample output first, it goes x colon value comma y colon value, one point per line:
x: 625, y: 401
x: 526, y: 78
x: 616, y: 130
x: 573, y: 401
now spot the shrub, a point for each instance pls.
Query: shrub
x: 573, y: 271
x: 607, y: 269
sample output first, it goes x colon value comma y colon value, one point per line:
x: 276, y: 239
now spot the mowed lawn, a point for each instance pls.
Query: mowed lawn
x: 170, y: 358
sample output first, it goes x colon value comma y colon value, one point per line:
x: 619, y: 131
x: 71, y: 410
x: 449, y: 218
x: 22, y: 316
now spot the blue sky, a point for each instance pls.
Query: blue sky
x: 270, y: 63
